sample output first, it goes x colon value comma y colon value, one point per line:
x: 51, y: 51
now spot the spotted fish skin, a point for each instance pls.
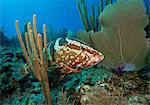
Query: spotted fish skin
x: 73, y: 55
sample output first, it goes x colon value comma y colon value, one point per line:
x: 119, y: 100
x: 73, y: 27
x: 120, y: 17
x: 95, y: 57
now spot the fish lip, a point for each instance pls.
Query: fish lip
x: 100, y: 56
x: 101, y: 59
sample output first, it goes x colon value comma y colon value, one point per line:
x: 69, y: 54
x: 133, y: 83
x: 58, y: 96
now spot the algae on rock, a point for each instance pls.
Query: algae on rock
x: 121, y: 38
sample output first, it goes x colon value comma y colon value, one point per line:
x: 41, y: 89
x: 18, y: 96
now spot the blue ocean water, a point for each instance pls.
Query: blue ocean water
x: 58, y: 13
x: 55, y: 13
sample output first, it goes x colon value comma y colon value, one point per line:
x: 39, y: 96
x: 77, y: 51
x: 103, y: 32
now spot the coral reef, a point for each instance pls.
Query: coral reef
x: 72, y: 83
x: 139, y: 100
x: 4, y: 41
x: 119, y: 90
x: 26, y: 93
x: 63, y: 99
x: 9, y: 65
x: 100, y: 97
x: 15, y: 87
x: 121, y: 38
x: 75, y: 86
x: 14, y: 42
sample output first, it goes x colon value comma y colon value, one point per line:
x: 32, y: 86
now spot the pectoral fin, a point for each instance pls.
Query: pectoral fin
x: 70, y: 70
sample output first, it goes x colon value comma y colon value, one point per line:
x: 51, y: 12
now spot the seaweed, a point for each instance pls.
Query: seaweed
x: 90, y: 22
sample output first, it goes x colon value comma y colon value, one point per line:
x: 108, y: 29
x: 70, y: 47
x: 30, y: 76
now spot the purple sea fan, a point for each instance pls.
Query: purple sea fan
x: 124, y: 68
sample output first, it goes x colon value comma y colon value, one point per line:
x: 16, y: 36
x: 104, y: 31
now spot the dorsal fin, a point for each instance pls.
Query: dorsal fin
x: 78, y: 40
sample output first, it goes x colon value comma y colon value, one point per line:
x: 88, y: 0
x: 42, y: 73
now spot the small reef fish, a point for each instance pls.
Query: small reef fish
x: 72, y: 55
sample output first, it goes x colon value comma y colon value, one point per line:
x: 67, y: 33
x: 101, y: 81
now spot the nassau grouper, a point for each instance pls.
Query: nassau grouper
x: 72, y: 55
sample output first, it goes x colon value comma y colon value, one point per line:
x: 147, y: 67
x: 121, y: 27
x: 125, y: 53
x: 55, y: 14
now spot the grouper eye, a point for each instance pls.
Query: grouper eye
x: 81, y: 47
